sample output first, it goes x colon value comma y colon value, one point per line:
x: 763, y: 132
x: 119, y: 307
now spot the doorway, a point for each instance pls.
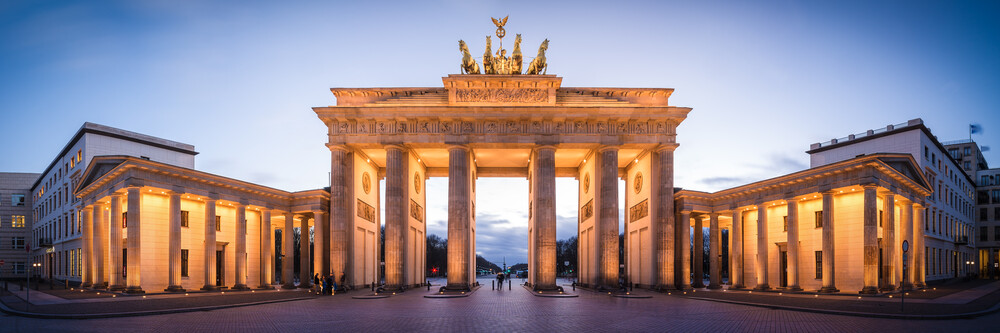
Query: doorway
x: 784, y: 269
x: 220, y: 264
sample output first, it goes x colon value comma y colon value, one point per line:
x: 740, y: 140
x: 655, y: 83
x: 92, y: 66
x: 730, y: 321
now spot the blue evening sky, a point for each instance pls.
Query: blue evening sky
x: 237, y: 78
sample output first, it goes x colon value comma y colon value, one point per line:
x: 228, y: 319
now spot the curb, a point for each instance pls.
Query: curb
x: 967, y: 315
x: 7, y: 310
x: 539, y: 294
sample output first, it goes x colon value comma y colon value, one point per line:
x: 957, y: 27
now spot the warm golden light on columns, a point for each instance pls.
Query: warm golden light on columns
x: 133, y: 283
x: 793, y: 243
x: 665, y: 247
x: 241, y: 247
x: 698, y: 256
x: 321, y: 244
x: 174, y: 239
x: 919, y: 262
x: 870, y: 241
x: 763, y: 283
x: 305, y: 273
x: 545, y: 217
x: 288, y: 252
x: 87, y: 213
x: 829, y: 281
x: 340, y: 214
x: 906, y: 230
x: 736, y: 270
x: 683, y: 235
x: 714, y: 252
x: 889, y: 241
x: 100, y: 245
x: 209, y: 259
x: 266, y: 270
x: 459, y: 213
x: 607, y: 223
x: 116, y: 276
x: 396, y: 217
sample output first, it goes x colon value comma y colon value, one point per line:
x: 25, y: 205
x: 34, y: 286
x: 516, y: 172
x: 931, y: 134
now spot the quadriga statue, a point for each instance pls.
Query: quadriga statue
x: 469, y: 65
x: 538, y: 65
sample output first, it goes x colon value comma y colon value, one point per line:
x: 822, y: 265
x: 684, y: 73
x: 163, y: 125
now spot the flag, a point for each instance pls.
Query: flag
x: 975, y: 128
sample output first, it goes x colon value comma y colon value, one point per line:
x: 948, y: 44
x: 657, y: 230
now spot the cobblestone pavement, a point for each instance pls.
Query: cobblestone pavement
x: 489, y: 310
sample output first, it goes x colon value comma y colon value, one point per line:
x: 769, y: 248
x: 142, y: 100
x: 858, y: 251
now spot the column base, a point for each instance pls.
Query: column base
x: 714, y: 286
x: 452, y: 287
x: 208, y: 287
x: 241, y: 287
x: 906, y: 286
x: 265, y: 287
x: 174, y: 289
x: 100, y: 285
x: 920, y: 285
x: 830, y: 289
x: 86, y: 285
x: 304, y: 285
x: 117, y: 287
x: 794, y: 288
x: 887, y: 288
x: 762, y: 287
x: 664, y: 287
x: 738, y: 286
x: 288, y: 286
x: 134, y: 290
x: 698, y: 285
x: 869, y: 290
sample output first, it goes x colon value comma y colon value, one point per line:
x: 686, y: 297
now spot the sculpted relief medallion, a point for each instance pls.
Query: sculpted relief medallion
x: 366, y: 183
x: 637, y: 183
x: 586, y: 183
x: 416, y: 182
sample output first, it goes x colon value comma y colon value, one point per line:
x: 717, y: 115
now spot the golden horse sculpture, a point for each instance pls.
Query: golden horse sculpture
x: 538, y: 66
x: 469, y: 65
x: 488, y: 58
x: 516, y: 59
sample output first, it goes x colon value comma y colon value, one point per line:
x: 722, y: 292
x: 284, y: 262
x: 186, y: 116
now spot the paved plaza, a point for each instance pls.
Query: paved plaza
x: 487, y: 310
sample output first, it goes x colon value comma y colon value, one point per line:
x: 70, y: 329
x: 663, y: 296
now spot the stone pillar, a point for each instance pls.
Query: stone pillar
x: 288, y: 252
x: 889, y: 243
x: 698, y: 259
x: 87, y: 215
x: 665, y: 235
x: 736, y: 268
x: 793, y: 243
x: 714, y: 252
x: 133, y: 283
x: 241, y: 247
x: 829, y: 281
x: 321, y: 245
x: 265, y: 250
x: 116, y: 274
x: 684, y: 241
x: 305, y: 273
x: 174, y: 246
x: 340, y: 214
x: 545, y: 218
x: 459, y: 226
x: 870, y: 240
x: 919, y: 258
x: 396, y: 217
x: 209, y: 259
x: 100, y: 245
x: 906, y: 229
x: 607, y: 228
x: 763, y: 283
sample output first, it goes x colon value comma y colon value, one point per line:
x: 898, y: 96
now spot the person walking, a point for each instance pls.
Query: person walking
x: 331, y: 285
x: 316, y: 284
x: 500, y: 280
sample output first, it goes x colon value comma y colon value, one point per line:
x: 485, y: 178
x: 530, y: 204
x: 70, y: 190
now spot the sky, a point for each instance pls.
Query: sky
x: 237, y: 80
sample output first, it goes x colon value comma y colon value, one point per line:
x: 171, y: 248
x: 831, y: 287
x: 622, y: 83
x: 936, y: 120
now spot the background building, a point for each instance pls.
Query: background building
x: 988, y: 221
x: 15, y: 222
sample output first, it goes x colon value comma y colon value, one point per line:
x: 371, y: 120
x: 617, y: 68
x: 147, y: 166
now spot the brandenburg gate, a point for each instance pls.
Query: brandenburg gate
x: 499, y: 125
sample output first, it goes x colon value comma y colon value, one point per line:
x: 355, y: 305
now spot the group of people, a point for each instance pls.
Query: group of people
x: 325, y: 285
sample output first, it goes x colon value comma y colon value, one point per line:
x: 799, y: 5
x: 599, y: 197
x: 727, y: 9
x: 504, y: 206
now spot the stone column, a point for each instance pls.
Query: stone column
x: 607, y: 229
x: 906, y: 228
x: 870, y: 241
x: 209, y: 259
x: 396, y: 217
x: 714, y: 252
x: 698, y: 260
x: 174, y: 246
x: 116, y: 275
x: 665, y: 237
x: 87, y: 215
x: 459, y: 226
x: 919, y: 258
x: 265, y: 249
x: 736, y: 268
x: 763, y: 283
x: 889, y: 243
x: 684, y: 241
x: 321, y: 245
x: 100, y: 245
x: 288, y: 253
x: 133, y: 283
x: 305, y: 274
x: 545, y: 218
x: 241, y: 247
x: 793, y: 243
x: 829, y: 281
x: 340, y: 215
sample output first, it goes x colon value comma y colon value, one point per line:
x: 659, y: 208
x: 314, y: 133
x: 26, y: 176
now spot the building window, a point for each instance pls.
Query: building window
x: 17, y: 242
x: 819, y: 218
x: 984, y: 233
x: 967, y: 151
x: 926, y: 152
x: 996, y: 213
x: 880, y: 217
x: 17, y: 221
x: 784, y: 220
x: 17, y: 200
x: 954, y: 153
x: 184, y: 218
x: 995, y: 196
x: 819, y: 265
x: 218, y: 223
x: 996, y: 233
x: 184, y: 262
x: 982, y: 214
x: 967, y: 165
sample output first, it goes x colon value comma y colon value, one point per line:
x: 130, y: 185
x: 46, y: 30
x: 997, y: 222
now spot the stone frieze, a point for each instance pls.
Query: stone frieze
x: 585, y: 127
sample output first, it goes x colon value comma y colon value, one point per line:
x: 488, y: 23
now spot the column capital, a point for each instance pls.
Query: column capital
x: 869, y: 186
x: 666, y: 147
x: 458, y: 147
x: 686, y: 211
x: 394, y: 147
x: 828, y: 192
x: 117, y: 195
x: 606, y: 148
x: 714, y: 215
x: 338, y: 147
x: 545, y: 147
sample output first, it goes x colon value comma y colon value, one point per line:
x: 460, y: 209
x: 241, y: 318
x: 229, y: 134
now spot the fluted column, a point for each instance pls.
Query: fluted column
x: 87, y: 214
x: 116, y: 274
x: 100, y: 245
x: 607, y: 228
x: 396, y: 217
x: 736, y: 268
x: 889, y: 243
x: 459, y: 225
x: 241, y: 247
x: 919, y: 258
x: 305, y: 274
x: 265, y: 250
x: 288, y: 253
x: 133, y: 283
x: 321, y: 245
x: 763, y: 283
x: 698, y: 258
x: 793, y: 243
x: 906, y: 228
x: 209, y: 259
x: 665, y: 237
x: 340, y: 216
x: 829, y: 281
x: 870, y: 241
x: 684, y: 242
x: 174, y: 226
x: 714, y: 253
x: 545, y: 218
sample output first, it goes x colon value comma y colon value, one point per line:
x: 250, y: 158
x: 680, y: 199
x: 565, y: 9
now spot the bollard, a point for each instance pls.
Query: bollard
x: 508, y: 285
x: 428, y: 284
x: 493, y: 285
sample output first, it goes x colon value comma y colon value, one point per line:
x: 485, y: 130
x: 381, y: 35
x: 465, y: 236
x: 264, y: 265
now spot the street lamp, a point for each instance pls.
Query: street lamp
x: 37, y: 266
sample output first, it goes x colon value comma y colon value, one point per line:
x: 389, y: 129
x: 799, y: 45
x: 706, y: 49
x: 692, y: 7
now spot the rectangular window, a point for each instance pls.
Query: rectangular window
x: 982, y: 214
x: 954, y: 153
x: 184, y: 218
x: 996, y: 213
x: 17, y: 242
x: 996, y: 233
x: 17, y: 221
x: 819, y: 265
x: 995, y: 196
x: 184, y: 262
x: 218, y: 223
x: 784, y: 220
x: 984, y: 233
x: 967, y: 151
x: 17, y: 200
x: 819, y: 218
x: 880, y: 217
x: 926, y: 151
x: 967, y: 165
x: 124, y: 219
